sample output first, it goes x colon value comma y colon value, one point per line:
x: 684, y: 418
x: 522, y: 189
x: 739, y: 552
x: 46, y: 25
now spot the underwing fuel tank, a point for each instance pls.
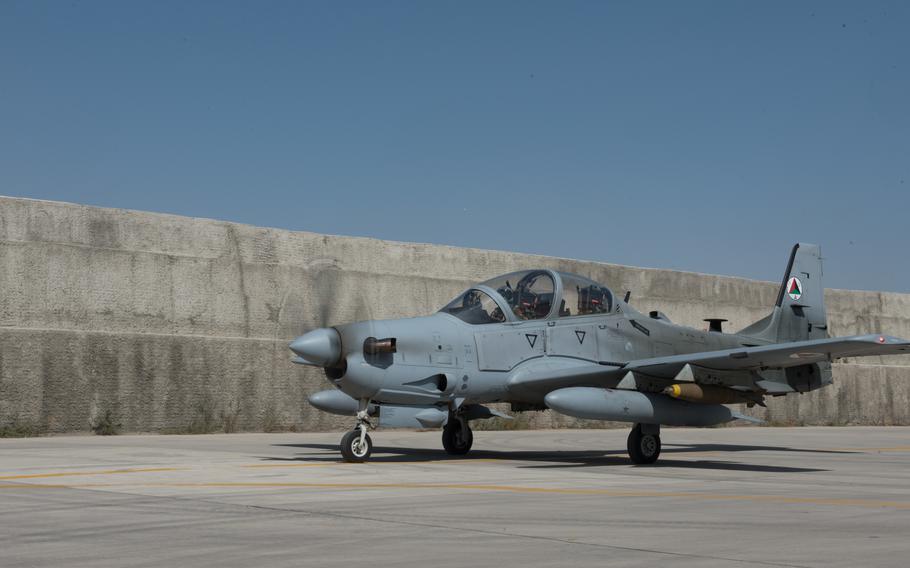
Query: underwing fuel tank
x: 633, y: 406
x: 336, y: 402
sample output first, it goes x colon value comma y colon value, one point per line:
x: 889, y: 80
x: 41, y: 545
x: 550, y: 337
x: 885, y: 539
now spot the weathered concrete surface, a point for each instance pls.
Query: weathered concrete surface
x: 719, y: 498
x: 174, y: 323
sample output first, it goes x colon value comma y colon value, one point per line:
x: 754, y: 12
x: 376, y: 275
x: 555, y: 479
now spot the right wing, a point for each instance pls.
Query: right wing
x: 775, y: 356
x: 553, y: 373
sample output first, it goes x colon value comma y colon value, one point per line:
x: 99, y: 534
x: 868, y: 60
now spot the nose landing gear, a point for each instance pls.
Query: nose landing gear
x: 356, y: 445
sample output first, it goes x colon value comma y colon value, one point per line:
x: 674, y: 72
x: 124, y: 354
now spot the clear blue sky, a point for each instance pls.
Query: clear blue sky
x: 704, y: 136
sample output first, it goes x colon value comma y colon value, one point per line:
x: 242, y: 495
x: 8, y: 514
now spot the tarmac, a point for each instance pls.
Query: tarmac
x: 819, y: 497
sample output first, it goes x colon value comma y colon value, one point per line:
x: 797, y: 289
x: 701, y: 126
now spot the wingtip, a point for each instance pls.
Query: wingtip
x: 883, y: 339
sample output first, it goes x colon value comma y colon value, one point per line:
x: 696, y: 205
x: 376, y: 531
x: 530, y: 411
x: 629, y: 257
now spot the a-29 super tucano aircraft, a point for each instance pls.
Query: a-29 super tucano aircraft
x: 543, y: 339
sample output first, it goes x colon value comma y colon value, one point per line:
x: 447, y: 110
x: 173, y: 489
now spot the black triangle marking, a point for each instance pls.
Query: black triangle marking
x: 532, y: 339
x: 580, y: 335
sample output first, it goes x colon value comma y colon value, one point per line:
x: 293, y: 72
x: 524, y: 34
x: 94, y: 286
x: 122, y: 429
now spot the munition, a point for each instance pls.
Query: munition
x: 704, y: 394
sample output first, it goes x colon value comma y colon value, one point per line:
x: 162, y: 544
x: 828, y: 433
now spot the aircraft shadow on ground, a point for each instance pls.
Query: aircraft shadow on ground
x: 562, y: 458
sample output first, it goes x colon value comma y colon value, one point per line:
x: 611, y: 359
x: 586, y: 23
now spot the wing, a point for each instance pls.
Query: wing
x: 548, y: 375
x: 544, y: 375
x: 776, y: 356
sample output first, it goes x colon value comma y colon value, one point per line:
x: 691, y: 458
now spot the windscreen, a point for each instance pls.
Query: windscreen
x: 475, y: 307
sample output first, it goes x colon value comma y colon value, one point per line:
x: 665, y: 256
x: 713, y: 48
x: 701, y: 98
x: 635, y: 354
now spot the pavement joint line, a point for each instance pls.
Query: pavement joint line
x: 83, y: 473
x: 142, y: 333
x: 855, y: 502
x: 891, y: 449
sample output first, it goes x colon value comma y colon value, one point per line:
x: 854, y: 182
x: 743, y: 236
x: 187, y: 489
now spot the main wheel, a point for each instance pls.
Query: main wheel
x: 352, y: 450
x: 456, y: 440
x: 643, y: 448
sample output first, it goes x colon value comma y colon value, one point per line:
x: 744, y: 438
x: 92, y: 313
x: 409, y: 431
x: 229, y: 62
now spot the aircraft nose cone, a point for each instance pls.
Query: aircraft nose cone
x: 320, y: 347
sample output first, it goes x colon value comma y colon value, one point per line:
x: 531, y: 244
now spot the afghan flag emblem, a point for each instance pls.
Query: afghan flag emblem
x: 794, y: 288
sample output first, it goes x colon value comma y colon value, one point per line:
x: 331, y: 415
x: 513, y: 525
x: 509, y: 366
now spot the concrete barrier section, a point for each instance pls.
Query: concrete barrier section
x: 167, y: 323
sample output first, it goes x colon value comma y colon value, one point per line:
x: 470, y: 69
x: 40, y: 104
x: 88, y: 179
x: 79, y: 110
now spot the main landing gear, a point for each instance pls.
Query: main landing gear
x: 457, y: 436
x: 644, y: 443
x: 356, y: 445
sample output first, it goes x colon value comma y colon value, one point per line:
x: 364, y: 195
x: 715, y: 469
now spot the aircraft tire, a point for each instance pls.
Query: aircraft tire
x: 454, y: 443
x: 351, y: 451
x: 644, y: 449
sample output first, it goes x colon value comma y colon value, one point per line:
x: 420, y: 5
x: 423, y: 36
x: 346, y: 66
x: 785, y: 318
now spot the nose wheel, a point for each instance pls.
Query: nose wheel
x: 457, y: 437
x: 356, y: 445
x: 644, y: 443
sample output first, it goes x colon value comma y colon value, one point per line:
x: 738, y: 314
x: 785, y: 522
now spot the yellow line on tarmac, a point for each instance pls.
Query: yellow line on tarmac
x: 468, y: 461
x: 73, y: 473
x: 56, y: 485
x: 270, y: 465
x: 374, y: 462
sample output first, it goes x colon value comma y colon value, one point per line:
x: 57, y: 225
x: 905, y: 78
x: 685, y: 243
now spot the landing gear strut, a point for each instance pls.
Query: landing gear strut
x: 644, y: 443
x: 457, y: 436
x: 356, y: 445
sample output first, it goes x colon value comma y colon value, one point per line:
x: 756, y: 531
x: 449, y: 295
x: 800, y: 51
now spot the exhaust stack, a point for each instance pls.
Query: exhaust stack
x: 373, y: 346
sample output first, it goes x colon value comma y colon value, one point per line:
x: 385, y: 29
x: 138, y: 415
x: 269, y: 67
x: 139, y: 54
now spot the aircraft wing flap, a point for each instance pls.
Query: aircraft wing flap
x: 775, y: 356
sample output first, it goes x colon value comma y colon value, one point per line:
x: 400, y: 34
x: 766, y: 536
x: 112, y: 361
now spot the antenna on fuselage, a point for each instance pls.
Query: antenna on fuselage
x: 628, y: 295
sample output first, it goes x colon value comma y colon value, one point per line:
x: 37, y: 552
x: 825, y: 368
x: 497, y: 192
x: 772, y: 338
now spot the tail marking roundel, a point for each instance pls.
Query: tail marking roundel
x: 794, y: 288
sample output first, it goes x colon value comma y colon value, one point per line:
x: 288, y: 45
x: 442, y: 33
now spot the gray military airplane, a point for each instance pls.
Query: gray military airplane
x: 542, y: 339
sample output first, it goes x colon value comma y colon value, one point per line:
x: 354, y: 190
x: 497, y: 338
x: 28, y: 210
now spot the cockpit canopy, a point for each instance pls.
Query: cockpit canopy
x: 531, y: 295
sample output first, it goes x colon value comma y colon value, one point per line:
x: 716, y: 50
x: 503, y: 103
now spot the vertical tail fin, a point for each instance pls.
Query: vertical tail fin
x: 799, y: 312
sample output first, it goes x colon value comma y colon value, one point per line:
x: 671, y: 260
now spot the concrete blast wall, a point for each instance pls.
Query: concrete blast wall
x: 178, y: 324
